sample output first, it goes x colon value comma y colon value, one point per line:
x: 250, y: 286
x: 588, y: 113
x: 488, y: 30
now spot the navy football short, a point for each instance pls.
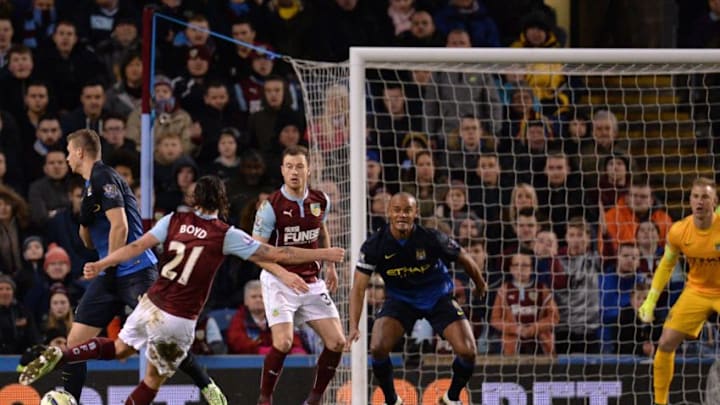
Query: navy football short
x: 106, y: 298
x: 445, y: 312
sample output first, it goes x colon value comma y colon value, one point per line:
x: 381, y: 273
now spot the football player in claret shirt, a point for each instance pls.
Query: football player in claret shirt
x: 412, y: 260
x: 295, y: 215
x: 195, y: 244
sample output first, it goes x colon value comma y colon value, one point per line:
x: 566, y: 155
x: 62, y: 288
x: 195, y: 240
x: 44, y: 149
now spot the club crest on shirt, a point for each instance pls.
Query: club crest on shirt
x: 533, y: 295
x: 110, y: 190
x: 420, y: 254
x: 315, y: 209
x: 717, y: 247
x: 89, y: 191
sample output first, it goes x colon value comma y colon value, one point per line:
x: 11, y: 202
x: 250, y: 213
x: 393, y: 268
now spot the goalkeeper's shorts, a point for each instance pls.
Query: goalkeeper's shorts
x: 691, y: 311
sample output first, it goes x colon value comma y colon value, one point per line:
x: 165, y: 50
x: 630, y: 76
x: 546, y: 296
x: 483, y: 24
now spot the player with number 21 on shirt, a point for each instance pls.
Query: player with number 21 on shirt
x: 195, y: 244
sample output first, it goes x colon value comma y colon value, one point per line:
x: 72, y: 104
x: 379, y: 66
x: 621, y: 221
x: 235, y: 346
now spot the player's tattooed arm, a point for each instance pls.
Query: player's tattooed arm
x: 293, y: 255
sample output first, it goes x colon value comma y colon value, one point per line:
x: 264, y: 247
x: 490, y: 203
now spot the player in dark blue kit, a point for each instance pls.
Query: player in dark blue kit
x: 412, y: 261
x: 109, y: 219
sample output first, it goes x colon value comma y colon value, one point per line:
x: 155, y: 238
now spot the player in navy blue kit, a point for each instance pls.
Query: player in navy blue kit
x: 164, y: 320
x: 412, y: 261
x: 109, y: 219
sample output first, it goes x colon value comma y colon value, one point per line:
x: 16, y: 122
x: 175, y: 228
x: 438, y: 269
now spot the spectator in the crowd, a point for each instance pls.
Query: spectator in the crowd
x: 47, y: 195
x: 189, y: 87
x: 523, y: 108
x: 426, y: 183
x: 575, y: 134
x: 525, y: 311
x: 422, y: 32
x: 546, y: 249
x: 113, y: 137
x: 124, y: 97
x: 33, y: 253
x: 647, y: 238
x: 525, y: 227
x: 237, y: 60
x: 614, y: 182
x: 472, y: 140
x: 530, y: 151
x: 48, y: 136
x: 469, y: 230
x: 124, y: 40
x: 489, y: 191
x: 6, y: 35
x: 14, y: 219
x: 125, y: 162
x: 216, y: 113
x: 454, y: 207
x: 95, y: 22
x: 55, y: 337
x: 604, y: 132
x: 262, y: 124
x: 168, y: 149
x: 576, y: 292
x: 252, y: 177
x: 615, y: 288
x: 288, y: 26
x: 456, y: 95
x: 400, y: 12
x: 637, y: 206
x: 290, y: 130
x: 523, y: 195
x: 169, y: 116
x: 379, y: 204
x: 56, y: 268
x: 89, y: 114
x: 64, y: 227
x: 389, y: 124
x: 208, y: 336
x: 18, y: 330
x: 561, y: 194
x: 331, y: 130
x: 412, y: 143
x: 11, y: 147
x: 67, y: 65
x: 60, y: 313
x: 226, y: 164
x: 249, y: 89
x: 248, y: 332
x: 21, y: 69
x: 185, y: 172
x: 374, y: 173
x: 37, y: 101
x: 706, y: 29
x: 345, y: 23
x: 547, y: 80
x: 634, y: 336
x: 471, y: 16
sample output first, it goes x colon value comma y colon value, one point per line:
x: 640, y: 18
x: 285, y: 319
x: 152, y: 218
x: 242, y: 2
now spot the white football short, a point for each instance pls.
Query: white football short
x: 166, y: 337
x: 282, y: 304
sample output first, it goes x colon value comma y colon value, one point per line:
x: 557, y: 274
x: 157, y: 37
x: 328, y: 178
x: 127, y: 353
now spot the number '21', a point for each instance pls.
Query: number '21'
x: 168, y: 270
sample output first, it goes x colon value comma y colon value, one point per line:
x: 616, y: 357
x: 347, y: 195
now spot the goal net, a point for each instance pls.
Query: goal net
x: 560, y: 171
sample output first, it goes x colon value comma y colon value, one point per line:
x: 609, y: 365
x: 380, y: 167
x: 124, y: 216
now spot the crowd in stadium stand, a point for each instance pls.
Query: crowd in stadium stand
x: 567, y: 243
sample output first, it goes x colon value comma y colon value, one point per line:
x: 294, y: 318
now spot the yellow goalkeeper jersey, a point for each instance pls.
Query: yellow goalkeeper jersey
x: 701, y: 249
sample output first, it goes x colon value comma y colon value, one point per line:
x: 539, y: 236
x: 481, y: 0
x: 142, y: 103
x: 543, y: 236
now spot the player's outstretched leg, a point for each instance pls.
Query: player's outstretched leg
x: 663, y: 370
x: 95, y: 348
x: 41, y: 366
x: 210, y: 391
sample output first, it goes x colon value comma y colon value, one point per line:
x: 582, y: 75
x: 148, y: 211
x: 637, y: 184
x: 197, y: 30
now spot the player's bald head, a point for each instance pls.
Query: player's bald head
x: 403, y: 198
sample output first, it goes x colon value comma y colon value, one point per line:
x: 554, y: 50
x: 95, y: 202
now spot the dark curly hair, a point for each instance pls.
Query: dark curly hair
x: 210, y: 195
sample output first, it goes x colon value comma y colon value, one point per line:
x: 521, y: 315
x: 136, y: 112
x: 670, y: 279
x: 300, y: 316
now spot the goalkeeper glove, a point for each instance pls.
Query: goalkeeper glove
x: 646, y: 312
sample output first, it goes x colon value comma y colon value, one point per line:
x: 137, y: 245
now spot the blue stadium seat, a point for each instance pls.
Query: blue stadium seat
x: 222, y: 317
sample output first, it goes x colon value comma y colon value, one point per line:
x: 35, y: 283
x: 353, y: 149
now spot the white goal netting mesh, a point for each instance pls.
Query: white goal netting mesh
x: 562, y: 181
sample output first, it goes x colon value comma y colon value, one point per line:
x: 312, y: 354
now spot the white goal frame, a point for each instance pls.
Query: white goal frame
x: 361, y: 57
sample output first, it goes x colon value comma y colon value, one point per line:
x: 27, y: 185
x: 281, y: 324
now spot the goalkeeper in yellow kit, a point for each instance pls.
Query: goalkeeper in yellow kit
x: 697, y: 237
